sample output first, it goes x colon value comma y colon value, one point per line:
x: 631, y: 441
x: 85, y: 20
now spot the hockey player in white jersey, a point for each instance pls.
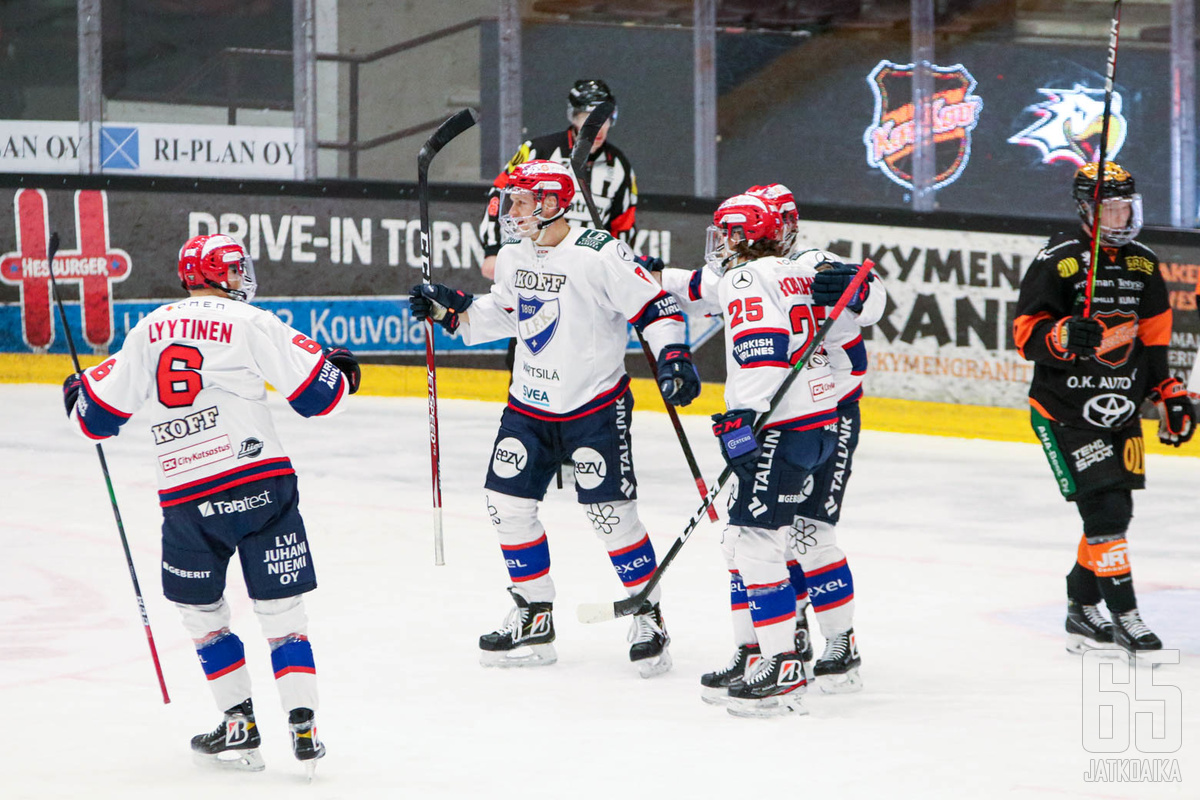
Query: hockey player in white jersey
x: 196, y: 368
x: 769, y: 318
x: 814, y: 552
x: 566, y: 294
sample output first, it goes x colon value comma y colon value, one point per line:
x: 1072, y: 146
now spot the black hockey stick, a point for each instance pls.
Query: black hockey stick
x: 137, y: 589
x: 602, y: 612
x: 579, y: 156
x: 1110, y: 74
x: 441, y: 137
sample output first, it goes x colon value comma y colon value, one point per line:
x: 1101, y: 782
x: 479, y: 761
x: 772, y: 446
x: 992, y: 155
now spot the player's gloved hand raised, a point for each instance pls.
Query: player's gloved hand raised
x: 344, y: 360
x: 832, y: 280
x: 1176, y: 414
x: 72, y: 386
x: 439, y: 303
x: 735, y: 431
x: 651, y: 263
x: 677, y: 376
x: 1077, y: 335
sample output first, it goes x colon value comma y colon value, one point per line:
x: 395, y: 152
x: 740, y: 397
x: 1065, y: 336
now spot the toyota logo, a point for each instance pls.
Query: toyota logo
x: 1108, y: 410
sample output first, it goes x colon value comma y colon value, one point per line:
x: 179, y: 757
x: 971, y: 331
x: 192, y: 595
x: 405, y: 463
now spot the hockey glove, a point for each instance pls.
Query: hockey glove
x: 1176, y: 414
x: 344, y: 360
x: 1077, y: 335
x: 735, y: 431
x: 439, y: 303
x: 651, y: 263
x: 677, y: 376
x: 832, y: 280
x: 72, y: 386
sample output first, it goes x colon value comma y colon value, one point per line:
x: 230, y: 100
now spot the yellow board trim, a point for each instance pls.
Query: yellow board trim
x: 878, y: 413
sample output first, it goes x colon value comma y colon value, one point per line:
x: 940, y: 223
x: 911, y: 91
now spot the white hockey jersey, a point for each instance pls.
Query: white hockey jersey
x: 201, y: 363
x: 769, y: 321
x: 568, y: 306
x: 843, y: 344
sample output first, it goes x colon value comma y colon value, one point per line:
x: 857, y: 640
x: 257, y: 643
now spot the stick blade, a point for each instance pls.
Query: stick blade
x: 591, y: 613
x: 461, y: 121
x: 587, y: 133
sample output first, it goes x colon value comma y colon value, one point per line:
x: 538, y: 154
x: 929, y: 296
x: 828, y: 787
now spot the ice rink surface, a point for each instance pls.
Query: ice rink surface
x: 958, y: 548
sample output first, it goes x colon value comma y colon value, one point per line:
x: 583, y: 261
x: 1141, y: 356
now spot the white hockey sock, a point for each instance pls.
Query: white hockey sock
x: 739, y: 606
x: 759, y: 555
x: 221, y: 653
x: 628, y: 543
x: 285, y: 625
x: 830, y: 584
x: 523, y: 545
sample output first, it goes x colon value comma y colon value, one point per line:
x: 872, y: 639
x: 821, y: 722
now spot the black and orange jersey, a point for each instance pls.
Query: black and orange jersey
x: 1130, y: 303
x: 613, y: 184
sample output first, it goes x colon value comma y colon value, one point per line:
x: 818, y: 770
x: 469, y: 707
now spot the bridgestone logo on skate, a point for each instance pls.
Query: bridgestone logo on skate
x: 210, y: 507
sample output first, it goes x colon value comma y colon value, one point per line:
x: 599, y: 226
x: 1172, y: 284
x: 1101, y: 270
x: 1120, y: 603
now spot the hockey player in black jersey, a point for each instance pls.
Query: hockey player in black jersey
x: 614, y: 187
x: 1093, y: 368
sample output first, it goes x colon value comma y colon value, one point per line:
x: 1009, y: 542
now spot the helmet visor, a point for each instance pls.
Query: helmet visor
x: 1120, y: 218
x: 715, y: 249
x: 520, y: 213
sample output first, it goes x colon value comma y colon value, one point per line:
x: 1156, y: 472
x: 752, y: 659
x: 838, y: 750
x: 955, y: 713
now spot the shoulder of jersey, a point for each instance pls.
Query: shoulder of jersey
x: 811, y: 257
x: 544, y: 146
x: 617, y: 153
x: 1137, y: 248
x: 590, y: 239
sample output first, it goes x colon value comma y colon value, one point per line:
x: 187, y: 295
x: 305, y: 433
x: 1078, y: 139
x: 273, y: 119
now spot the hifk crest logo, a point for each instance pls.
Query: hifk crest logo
x: 537, y: 320
x: 891, y: 136
x: 1069, y: 124
x: 93, y: 265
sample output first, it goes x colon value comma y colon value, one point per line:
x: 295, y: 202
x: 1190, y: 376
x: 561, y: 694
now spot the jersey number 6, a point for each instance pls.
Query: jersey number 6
x: 178, y: 375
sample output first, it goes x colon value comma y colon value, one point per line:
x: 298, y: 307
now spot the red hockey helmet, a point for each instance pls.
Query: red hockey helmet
x: 206, y: 261
x: 741, y: 218
x: 780, y: 197
x: 537, y: 179
x: 782, y: 200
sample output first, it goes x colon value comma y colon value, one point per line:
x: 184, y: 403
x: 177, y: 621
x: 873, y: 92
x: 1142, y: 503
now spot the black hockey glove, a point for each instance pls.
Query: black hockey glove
x: 651, y: 263
x: 439, y: 303
x: 677, y: 376
x: 832, y: 281
x: 735, y: 431
x: 1176, y: 414
x: 72, y: 386
x: 1077, y: 335
x: 344, y: 360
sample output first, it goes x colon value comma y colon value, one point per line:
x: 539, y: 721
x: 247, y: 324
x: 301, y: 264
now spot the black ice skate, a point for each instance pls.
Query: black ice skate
x: 804, y: 639
x: 305, y: 744
x: 774, y: 688
x: 1087, y: 628
x: 234, y: 744
x: 714, y: 686
x: 525, y: 638
x: 650, y: 639
x: 1132, y: 635
x: 836, y: 670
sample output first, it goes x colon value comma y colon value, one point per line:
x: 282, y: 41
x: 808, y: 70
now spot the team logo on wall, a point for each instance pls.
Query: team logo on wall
x: 1068, y: 125
x: 891, y: 135
x: 537, y: 320
x: 93, y: 266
